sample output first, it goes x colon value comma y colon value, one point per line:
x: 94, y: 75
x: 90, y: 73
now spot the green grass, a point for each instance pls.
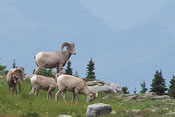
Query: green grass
x: 26, y: 104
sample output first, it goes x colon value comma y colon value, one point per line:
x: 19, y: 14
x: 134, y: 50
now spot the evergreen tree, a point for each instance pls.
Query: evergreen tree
x: 144, y: 89
x: 90, y: 70
x: 3, y: 72
x: 68, y: 69
x: 2, y: 68
x: 76, y: 74
x: 158, y: 84
x: 125, y: 90
x: 171, y: 90
x: 135, y: 91
x: 14, y: 64
x: 46, y: 72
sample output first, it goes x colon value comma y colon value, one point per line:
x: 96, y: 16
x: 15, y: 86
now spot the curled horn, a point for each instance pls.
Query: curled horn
x: 73, y: 45
x: 22, y: 68
x: 64, y: 44
x: 17, y: 69
x: 96, y: 94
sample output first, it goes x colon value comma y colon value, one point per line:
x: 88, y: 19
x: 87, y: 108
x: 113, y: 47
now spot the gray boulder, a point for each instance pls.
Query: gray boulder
x: 104, y: 87
x: 99, y: 109
x: 95, y: 82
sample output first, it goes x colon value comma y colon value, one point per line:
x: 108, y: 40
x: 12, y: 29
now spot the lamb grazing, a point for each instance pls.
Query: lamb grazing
x: 13, y: 78
x: 75, y: 85
x: 42, y: 82
x: 54, y: 59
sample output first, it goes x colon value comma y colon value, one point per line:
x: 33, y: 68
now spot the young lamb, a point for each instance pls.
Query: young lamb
x: 42, y: 82
x: 75, y: 85
x: 13, y: 78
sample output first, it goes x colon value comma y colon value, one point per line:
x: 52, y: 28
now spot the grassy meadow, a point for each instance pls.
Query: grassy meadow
x: 27, y: 105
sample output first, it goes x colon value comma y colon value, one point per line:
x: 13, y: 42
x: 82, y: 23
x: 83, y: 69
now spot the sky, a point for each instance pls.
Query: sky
x: 128, y: 40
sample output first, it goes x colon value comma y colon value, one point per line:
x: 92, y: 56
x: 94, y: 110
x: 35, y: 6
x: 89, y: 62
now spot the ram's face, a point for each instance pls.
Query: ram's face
x: 18, y: 73
x: 90, y: 97
x: 72, y: 49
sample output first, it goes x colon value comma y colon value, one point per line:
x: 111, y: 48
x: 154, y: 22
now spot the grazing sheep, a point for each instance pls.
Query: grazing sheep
x: 13, y: 78
x: 75, y: 85
x: 42, y: 82
x: 54, y: 59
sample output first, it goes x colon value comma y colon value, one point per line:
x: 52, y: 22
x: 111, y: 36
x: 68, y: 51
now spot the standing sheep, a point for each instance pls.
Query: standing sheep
x: 41, y: 82
x: 13, y: 78
x: 75, y: 85
x: 54, y: 59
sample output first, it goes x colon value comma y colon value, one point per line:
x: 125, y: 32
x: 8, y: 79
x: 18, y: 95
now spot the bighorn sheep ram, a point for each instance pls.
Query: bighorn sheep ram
x: 13, y: 78
x: 54, y: 59
x: 75, y: 85
x: 41, y: 82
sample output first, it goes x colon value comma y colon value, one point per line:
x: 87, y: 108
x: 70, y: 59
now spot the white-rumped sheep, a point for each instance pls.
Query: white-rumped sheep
x: 42, y: 82
x: 13, y: 78
x: 75, y: 85
x: 54, y: 59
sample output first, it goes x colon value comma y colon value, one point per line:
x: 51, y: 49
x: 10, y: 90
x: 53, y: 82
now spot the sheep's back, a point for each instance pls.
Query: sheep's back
x: 43, y: 82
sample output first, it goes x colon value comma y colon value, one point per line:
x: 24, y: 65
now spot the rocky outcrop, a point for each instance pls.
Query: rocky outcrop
x: 99, y: 109
x: 99, y: 86
x: 142, y: 97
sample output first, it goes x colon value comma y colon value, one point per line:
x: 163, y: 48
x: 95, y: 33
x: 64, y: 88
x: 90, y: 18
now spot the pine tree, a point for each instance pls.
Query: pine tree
x: 125, y: 90
x: 135, y: 91
x: 171, y: 90
x: 46, y: 72
x: 144, y: 89
x: 68, y: 69
x: 158, y: 84
x: 3, y: 72
x: 90, y: 70
x: 76, y: 74
x: 2, y: 68
x: 14, y: 64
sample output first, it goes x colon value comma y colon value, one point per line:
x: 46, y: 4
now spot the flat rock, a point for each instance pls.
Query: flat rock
x: 64, y: 116
x: 170, y: 113
x: 162, y: 97
x: 99, y: 109
x: 136, y: 110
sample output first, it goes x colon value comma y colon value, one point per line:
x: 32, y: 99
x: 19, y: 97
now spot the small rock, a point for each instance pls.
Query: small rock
x: 99, y: 109
x: 113, y: 112
x: 106, y: 97
x: 150, y: 94
x: 165, y: 108
x: 153, y: 110
x: 136, y: 110
x: 64, y: 116
x: 170, y: 113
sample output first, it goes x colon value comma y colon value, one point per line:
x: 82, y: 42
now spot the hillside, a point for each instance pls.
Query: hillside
x: 26, y: 104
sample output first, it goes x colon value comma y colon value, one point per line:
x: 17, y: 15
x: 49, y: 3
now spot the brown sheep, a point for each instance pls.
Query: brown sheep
x: 13, y: 78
